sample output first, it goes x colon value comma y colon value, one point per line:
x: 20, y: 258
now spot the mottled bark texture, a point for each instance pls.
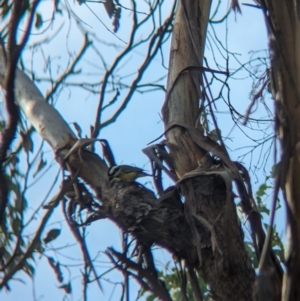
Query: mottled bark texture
x: 209, y: 207
x: 224, y: 262
x: 283, y: 24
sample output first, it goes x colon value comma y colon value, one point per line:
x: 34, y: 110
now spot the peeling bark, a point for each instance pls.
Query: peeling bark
x: 283, y: 23
x: 209, y: 207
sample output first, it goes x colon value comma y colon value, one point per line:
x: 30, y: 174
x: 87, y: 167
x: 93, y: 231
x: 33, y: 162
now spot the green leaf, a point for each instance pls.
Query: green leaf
x: 41, y: 165
x: 56, y: 268
x: 262, y: 189
x: 16, y: 225
x: 51, y: 235
x: 109, y: 7
x: 6, y: 8
x: 275, y: 170
x: 38, y: 21
x: 27, y: 142
x: 67, y: 288
x: 116, y: 20
x: 262, y: 208
x: 28, y: 269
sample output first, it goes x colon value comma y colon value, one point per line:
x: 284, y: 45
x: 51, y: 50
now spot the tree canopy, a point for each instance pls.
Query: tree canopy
x: 88, y: 85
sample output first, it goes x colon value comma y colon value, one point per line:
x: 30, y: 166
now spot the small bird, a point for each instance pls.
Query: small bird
x: 126, y: 173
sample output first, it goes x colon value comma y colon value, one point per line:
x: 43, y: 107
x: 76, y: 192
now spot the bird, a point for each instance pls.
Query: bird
x: 126, y: 173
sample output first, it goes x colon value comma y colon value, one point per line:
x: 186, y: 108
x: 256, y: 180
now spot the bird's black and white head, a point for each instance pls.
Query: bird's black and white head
x: 113, y: 171
x: 126, y: 173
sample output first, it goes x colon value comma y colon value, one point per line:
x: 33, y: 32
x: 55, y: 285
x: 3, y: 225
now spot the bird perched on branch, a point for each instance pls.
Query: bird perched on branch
x: 126, y: 173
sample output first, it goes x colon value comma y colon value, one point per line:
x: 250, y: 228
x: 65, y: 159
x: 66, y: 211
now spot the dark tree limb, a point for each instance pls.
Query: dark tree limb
x: 13, y: 53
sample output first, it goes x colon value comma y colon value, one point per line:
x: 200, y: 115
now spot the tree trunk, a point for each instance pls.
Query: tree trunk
x: 282, y: 20
x: 209, y: 207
